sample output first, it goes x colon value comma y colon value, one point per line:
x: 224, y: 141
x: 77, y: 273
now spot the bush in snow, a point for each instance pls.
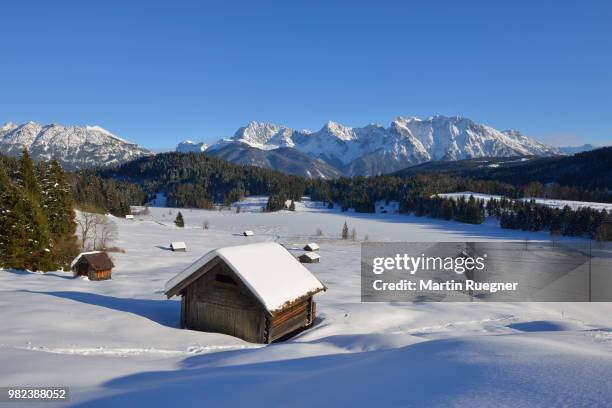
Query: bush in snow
x: 178, y: 221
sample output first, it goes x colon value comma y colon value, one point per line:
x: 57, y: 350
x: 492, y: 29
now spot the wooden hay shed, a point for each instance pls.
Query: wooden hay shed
x: 313, y: 246
x: 95, y: 265
x: 248, y: 233
x: 258, y: 292
x: 310, y: 257
x: 178, y: 246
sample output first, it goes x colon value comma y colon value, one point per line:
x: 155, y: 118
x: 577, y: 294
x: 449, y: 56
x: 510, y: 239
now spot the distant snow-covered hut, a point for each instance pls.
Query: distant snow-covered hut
x: 310, y: 257
x: 248, y: 233
x: 129, y: 217
x: 178, y: 246
x: 313, y: 246
x: 95, y: 265
x: 258, y: 292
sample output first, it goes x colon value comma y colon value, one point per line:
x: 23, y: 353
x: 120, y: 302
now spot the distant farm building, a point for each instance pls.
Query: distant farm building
x: 310, y: 257
x: 178, y: 246
x: 129, y: 217
x: 248, y: 233
x: 94, y: 265
x: 313, y: 246
x: 258, y: 292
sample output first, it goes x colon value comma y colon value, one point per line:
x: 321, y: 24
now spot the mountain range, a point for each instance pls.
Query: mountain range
x: 336, y: 149
x: 332, y: 151
x: 74, y: 147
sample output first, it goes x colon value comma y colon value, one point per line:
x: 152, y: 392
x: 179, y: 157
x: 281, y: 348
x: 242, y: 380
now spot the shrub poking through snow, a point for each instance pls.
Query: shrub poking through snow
x: 345, y: 231
x: 179, y: 221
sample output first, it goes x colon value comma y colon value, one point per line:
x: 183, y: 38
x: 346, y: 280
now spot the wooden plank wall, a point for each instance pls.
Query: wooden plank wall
x: 99, y: 275
x: 290, y: 319
x: 214, y: 306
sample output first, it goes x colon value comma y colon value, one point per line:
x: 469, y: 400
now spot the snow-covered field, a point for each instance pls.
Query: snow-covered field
x: 117, y: 342
x: 574, y: 205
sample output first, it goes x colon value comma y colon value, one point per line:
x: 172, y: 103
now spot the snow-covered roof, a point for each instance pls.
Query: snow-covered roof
x: 74, y: 262
x: 248, y: 233
x: 178, y: 245
x: 129, y: 217
x: 98, y: 260
x: 272, y: 274
x: 313, y: 246
x: 311, y: 255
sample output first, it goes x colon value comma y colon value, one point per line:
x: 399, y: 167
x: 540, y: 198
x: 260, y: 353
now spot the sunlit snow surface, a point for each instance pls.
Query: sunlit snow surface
x: 117, y: 342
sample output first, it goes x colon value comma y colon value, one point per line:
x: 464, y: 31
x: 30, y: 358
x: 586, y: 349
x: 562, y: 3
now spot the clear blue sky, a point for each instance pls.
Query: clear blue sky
x: 159, y: 72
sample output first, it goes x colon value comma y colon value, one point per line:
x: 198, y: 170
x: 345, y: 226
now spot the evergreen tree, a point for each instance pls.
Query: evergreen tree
x: 58, y: 206
x: 27, y: 177
x: 345, y: 231
x: 57, y: 201
x: 179, y: 222
x: 28, y: 246
x: 8, y: 220
x: 275, y: 202
x: 25, y: 238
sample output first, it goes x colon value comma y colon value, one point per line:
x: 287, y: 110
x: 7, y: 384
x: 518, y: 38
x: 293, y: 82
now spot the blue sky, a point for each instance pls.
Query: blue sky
x: 159, y: 72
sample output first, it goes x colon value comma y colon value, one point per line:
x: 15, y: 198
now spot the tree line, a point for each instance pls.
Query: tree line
x: 201, y: 181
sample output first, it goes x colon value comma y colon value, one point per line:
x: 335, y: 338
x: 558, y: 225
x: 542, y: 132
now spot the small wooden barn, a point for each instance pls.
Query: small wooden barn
x: 258, y: 292
x: 310, y: 257
x: 248, y: 233
x: 313, y: 246
x: 95, y: 265
x: 178, y: 246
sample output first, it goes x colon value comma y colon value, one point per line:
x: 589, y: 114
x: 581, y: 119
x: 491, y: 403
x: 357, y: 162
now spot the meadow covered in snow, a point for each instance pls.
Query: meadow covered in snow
x: 118, y: 342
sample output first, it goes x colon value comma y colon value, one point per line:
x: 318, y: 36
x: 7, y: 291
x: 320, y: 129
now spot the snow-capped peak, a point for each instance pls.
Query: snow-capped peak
x: 264, y: 135
x: 8, y: 126
x: 75, y: 147
x: 97, y: 128
x: 340, y: 131
x: 187, y: 146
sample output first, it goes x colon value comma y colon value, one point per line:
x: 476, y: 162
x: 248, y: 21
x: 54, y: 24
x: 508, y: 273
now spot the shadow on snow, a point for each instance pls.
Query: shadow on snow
x: 164, y: 312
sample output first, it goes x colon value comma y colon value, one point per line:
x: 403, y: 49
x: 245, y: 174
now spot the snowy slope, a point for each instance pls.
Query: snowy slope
x: 75, y: 147
x: 374, y: 149
x: 118, y: 342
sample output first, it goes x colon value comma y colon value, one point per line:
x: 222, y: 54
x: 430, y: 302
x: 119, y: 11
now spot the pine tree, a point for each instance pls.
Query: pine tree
x: 345, y: 231
x: 8, y: 200
x: 25, y: 237
x: 57, y: 200
x: 27, y: 177
x: 58, y: 206
x: 179, y: 222
x: 28, y: 248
